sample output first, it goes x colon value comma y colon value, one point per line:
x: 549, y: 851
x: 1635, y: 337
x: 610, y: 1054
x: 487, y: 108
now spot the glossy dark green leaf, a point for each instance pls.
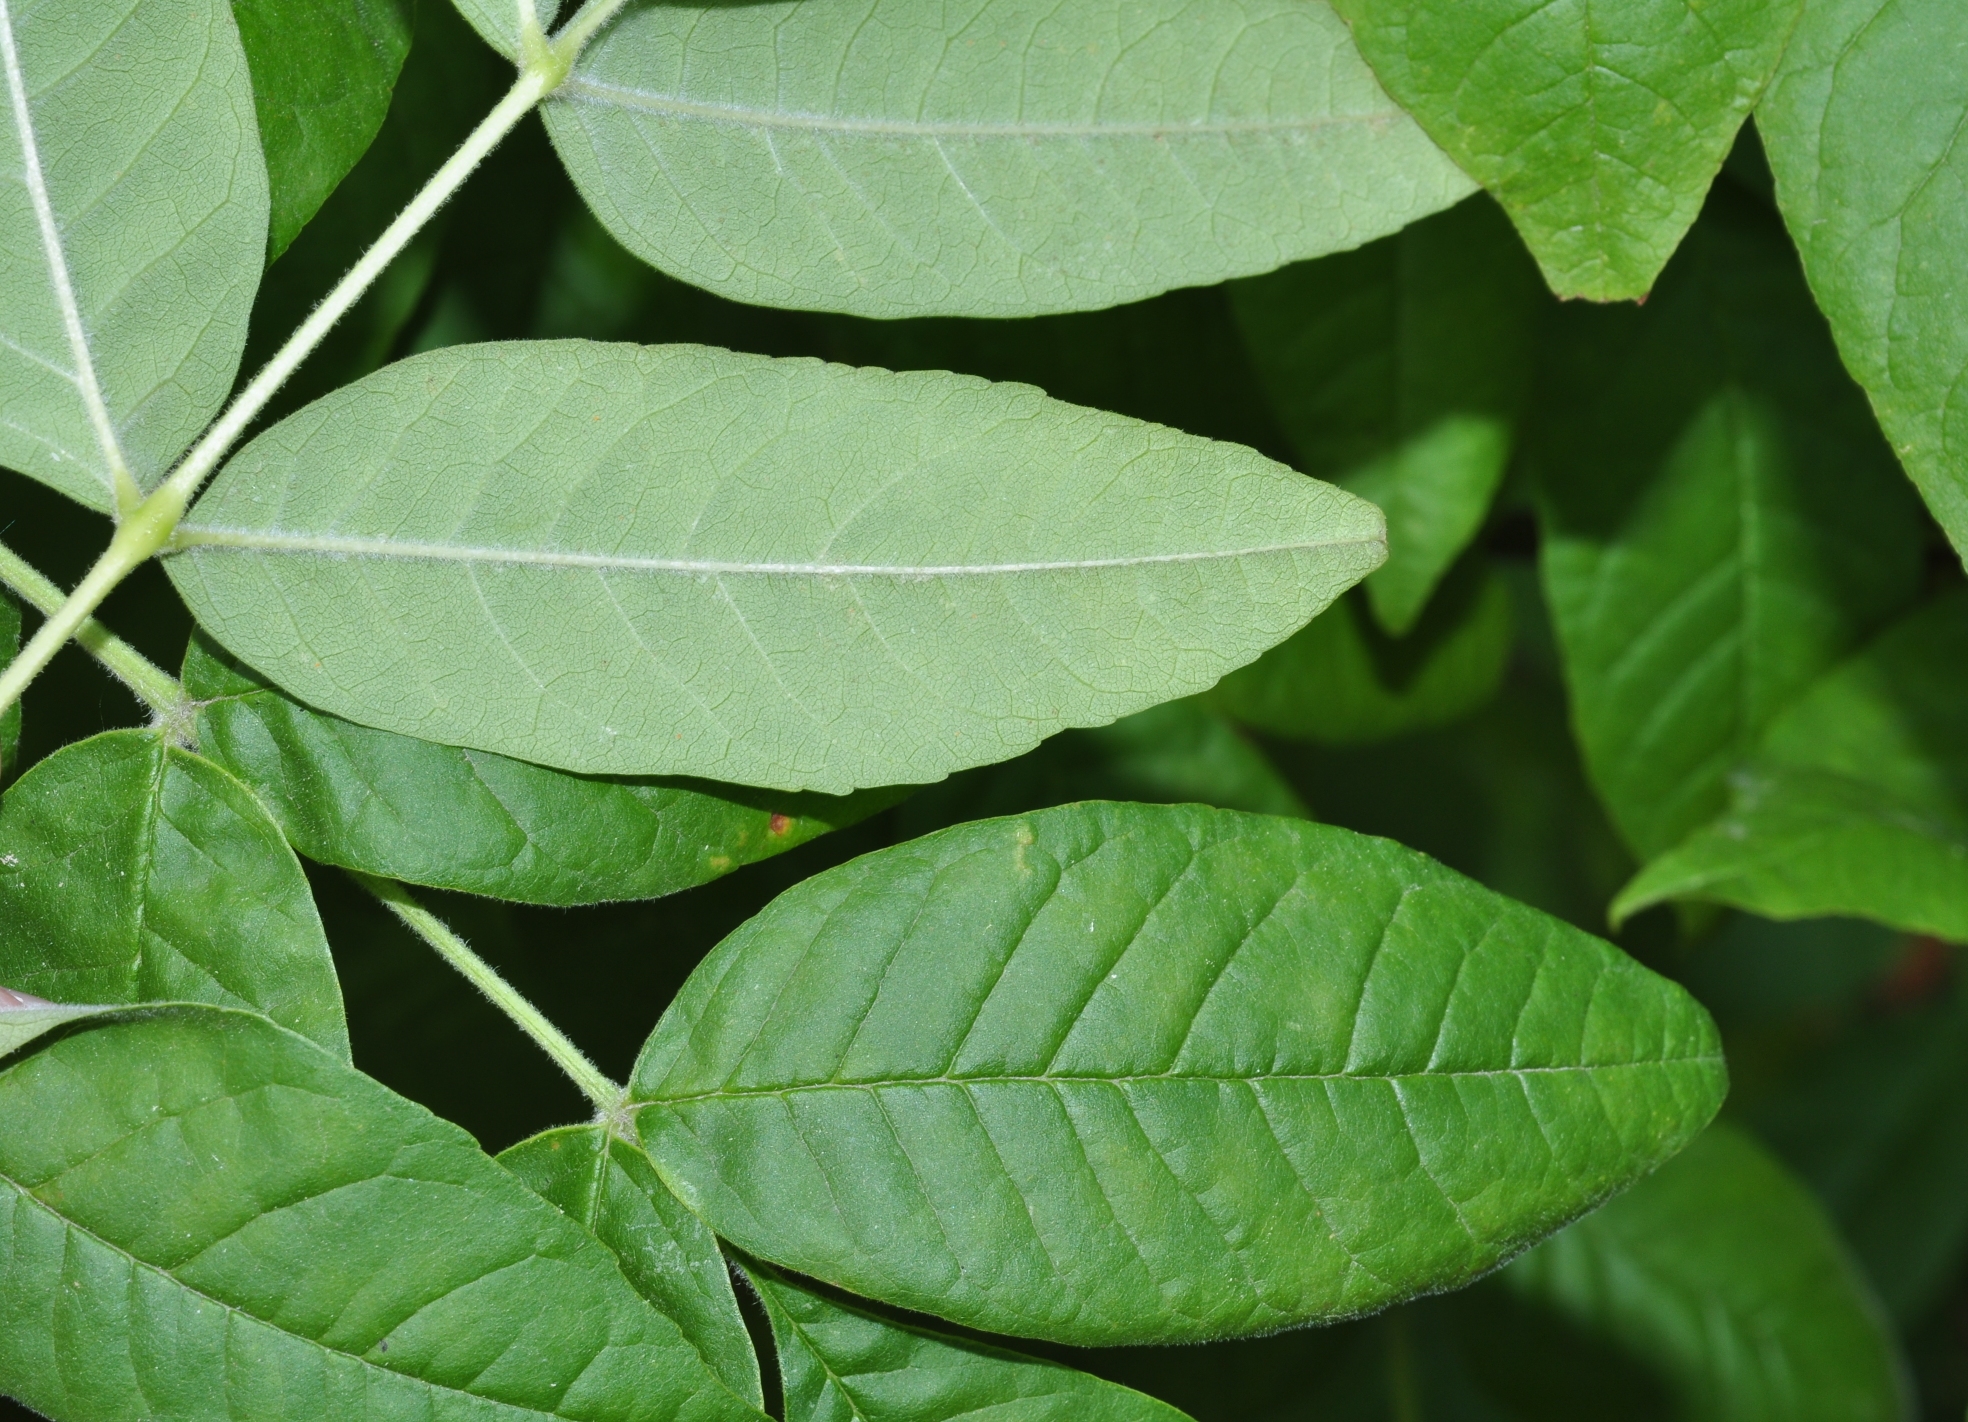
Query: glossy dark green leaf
x: 1342, y: 681
x: 1126, y: 1073
x: 1599, y: 128
x: 323, y: 71
x: 839, y: 1363
x: 1399, y: 371
x: 1722, y: 522
x: 223, y: 1221
x: 1856, y: 802
x: 1722, y: 1271
x: 1863, y: 127
x: 133, y: 871
x: 480, y: 823
x: 610, y: 1188
x: 10, y: 719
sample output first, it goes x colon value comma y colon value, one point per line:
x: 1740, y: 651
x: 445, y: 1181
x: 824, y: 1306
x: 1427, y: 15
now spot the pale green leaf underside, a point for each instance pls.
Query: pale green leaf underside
x: 890, y: 158
x: 24, y: 1018
x: 838, y: 1363
x: 1863, y: 128
x: 678, y: 560
x: 1121, y: 1074
x: 148, y: 184
x: 225, y: 1222
x: 132, y: 871
x: 1722, y: 1272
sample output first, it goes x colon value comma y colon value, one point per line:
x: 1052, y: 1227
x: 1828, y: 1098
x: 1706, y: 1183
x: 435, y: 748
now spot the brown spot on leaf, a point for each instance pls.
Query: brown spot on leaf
x: 780, y: 824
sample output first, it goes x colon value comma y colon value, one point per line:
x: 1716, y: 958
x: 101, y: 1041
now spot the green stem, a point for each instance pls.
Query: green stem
x: 605, y: 1094
x: 154, y: 686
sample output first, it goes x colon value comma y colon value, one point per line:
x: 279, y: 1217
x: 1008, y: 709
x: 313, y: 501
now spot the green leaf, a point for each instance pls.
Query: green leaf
x: 1399, y: 372
x: 133, y: 871
x: 130, y: 250
x: 222, y: 1220
x: 1724, y: 1273
x: 24, y: 1017
x: 1124, y: 1073
x: 323, y: 72
x: 678, y: 560
x: 1721, y: 521
x: 1343, y: 681
x: 1862, y: 128
x: 10, y: 719
x: 1598, y: 127
x: 610, y: 1188
x: 884, y: 160
x: 479, y: 823
x: 838, y: 1363
x: 1857, y: 800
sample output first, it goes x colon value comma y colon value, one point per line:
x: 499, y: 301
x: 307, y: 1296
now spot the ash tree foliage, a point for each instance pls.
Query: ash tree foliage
x: 1305, y: 619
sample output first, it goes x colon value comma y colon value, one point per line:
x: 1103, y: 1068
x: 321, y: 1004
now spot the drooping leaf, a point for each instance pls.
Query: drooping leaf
x: 1721, y: 521
x: 677, y: 560
x: 322, y: 72
x: 1723, y: 1272
x: 610, y: 1189
x: 480, y: 823
x: 1343, y: 681
x: 1856, y: 802
x: 1399, y: 372
x: 838, y: 1363
x: 132, y: 224
x: 888, y: 160
x: 133, y: 871
x: 228, y: 1222
x: 1126, y: 1073
x: 1862, y: 127
x: 1598, y: 127
x: 10, y: 719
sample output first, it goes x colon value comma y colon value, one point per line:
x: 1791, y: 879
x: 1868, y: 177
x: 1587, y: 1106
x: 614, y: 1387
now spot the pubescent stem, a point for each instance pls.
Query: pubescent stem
x: 154, y: 686
x: 605, y: 1094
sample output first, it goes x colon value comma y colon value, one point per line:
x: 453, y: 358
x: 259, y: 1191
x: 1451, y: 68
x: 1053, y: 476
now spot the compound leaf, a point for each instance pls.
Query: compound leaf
x: 1863, y: 127
x: 1721, y: 521
x: 885, y: 159
x: 677, y: 560
x: 1599, y: 127
x: 610, y: 1188
x: 838, y: 1363
x: 1125, y: 1073
x: 225, y: 1221
x: 133, y: 871
x: 480, y: 823
x: 1399, y: 372
x: 323, y: 72
x: 132, y: 226
x: 1723, y: 1273
x: 1856, y: 802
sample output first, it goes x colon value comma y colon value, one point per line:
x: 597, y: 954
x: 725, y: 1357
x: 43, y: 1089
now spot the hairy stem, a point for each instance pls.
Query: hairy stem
x: 605, y: 1094
x: 575, y: 34
x: 154, y: 686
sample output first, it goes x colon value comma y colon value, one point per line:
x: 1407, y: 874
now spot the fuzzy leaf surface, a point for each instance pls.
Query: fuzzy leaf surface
x: 1723, y: 1272
x: 323, y: 72
x: 480, y: 823
x: 147, y: 182
x: 1599, y: 127
x: 609, y: 1188
x: 1399, y: 371
x: 1721, y: 521
x: 1116, y: 1073
x: 133, y: 871
x: 230, y: 1223
x: 886, y: 158
x: 838, y: 1363
x: 1863, y: 130
x: 1856, y: 802
x: 674, y: 560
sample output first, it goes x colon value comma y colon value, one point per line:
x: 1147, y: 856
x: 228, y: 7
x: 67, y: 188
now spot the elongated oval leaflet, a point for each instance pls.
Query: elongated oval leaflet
x: 888, y: 158
x: 1126, y: 1074
x: 227, y: 1222
x: 132, y: 224
x: 675, y: 560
